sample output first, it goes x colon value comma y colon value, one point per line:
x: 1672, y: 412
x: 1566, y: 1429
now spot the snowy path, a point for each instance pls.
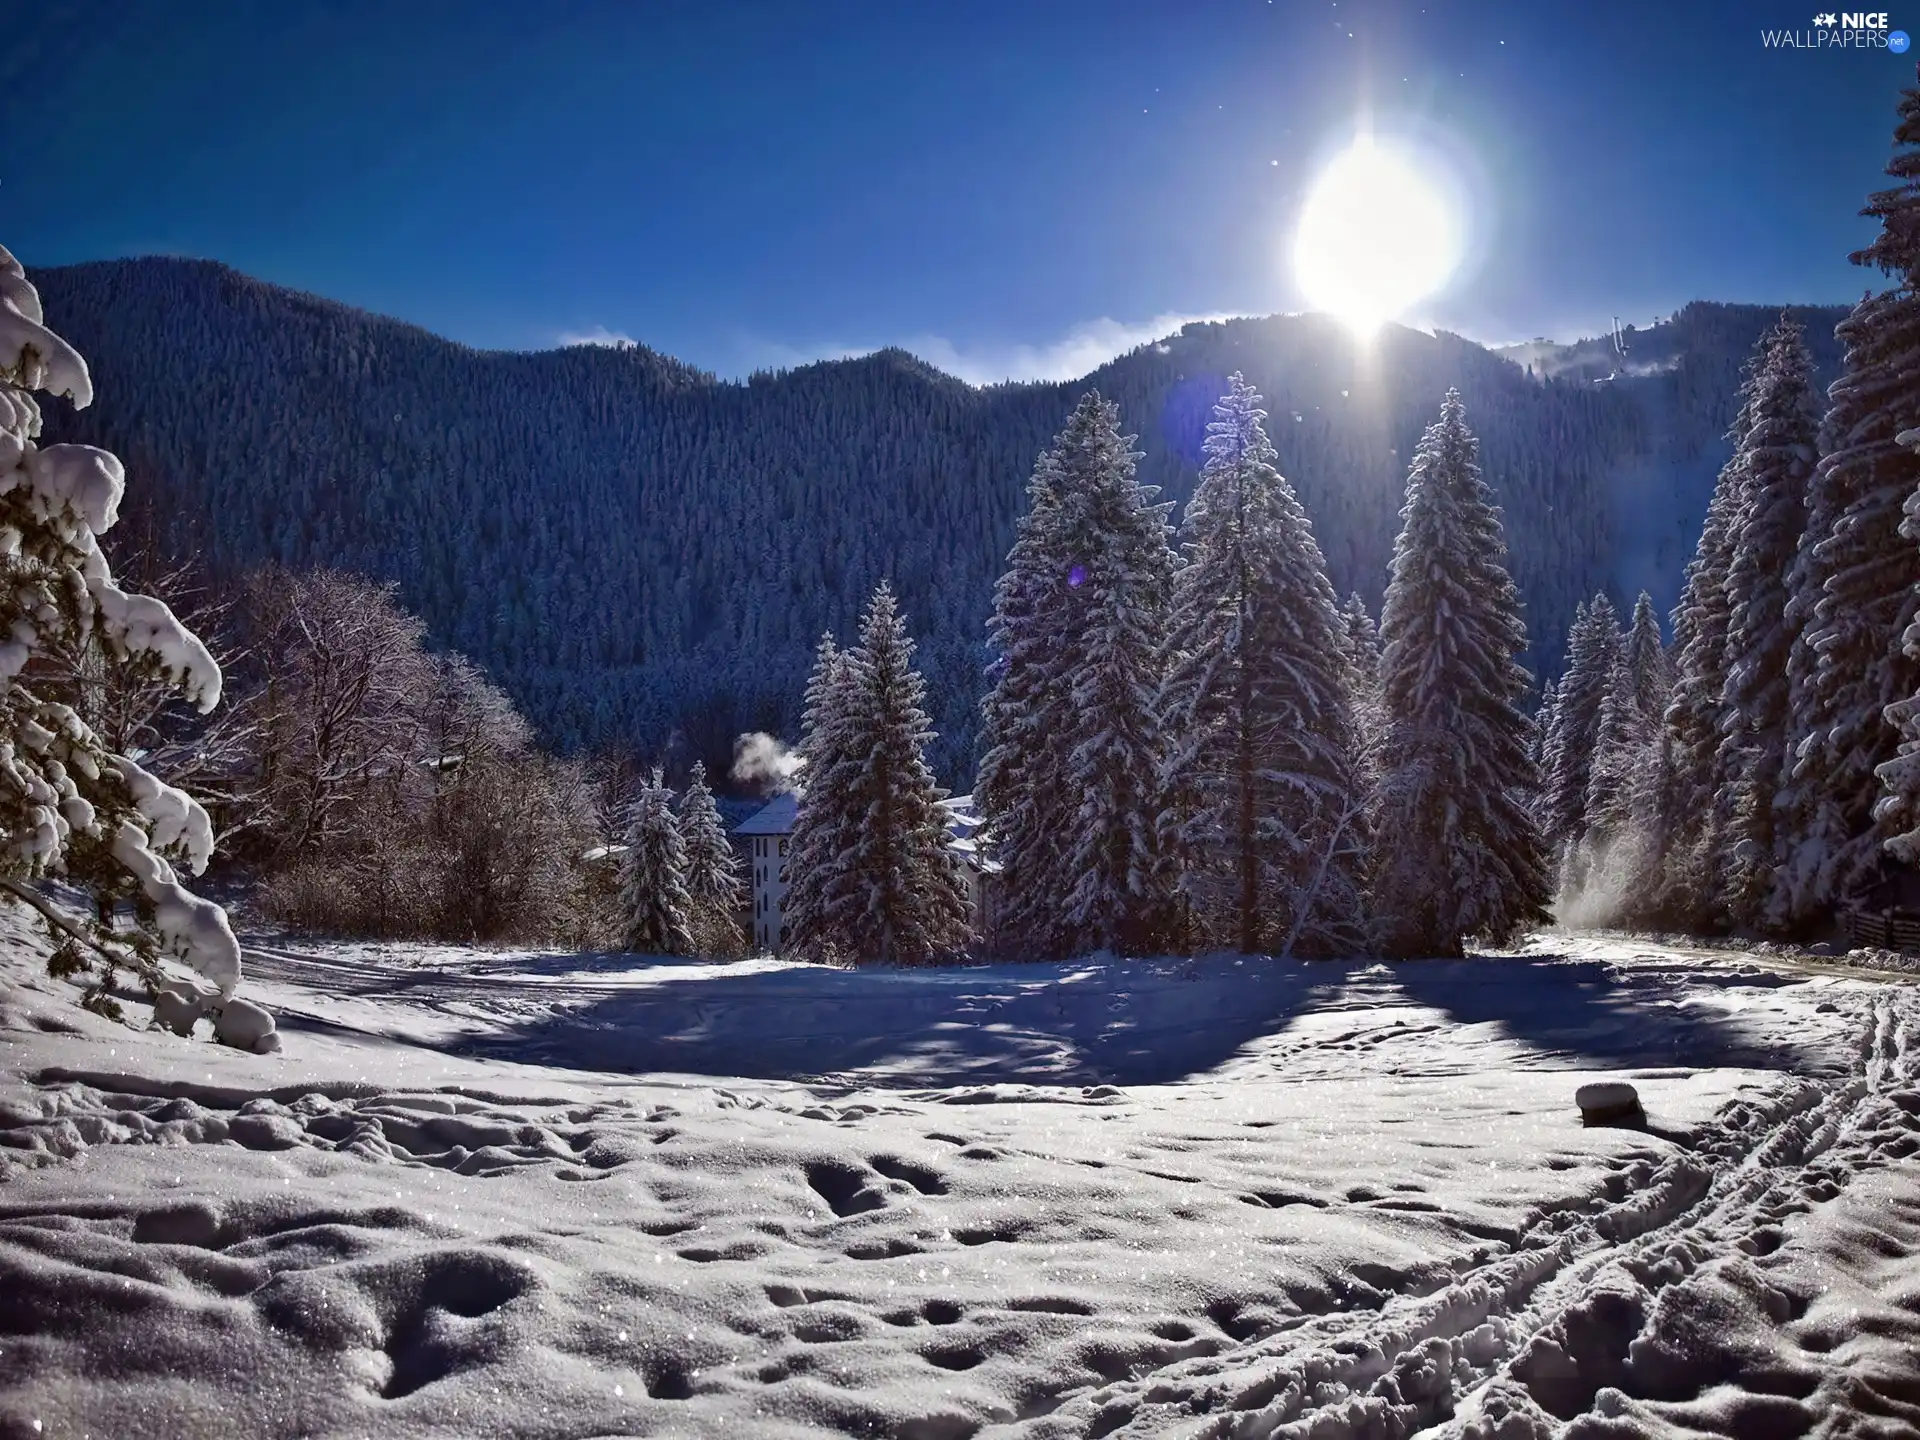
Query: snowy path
x: 565, y: 1196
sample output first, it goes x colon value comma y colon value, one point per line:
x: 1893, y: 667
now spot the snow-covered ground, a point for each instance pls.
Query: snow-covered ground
x: 543, y: 1195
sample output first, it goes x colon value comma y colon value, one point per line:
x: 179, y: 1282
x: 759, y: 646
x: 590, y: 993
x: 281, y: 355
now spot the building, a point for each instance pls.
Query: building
x: 768, y: 833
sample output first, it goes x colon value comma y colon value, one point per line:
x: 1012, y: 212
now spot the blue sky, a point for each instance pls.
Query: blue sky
x: 1013, y: 187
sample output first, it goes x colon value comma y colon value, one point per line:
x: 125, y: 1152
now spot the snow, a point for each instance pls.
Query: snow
x: 483, y: 1192
x: 35, y: 357
x: 190, y: 929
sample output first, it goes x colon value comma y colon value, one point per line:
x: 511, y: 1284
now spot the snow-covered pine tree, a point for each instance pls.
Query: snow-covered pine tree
x: 714, y: 883
x: 1593, y: 648
x: 1069, y: 786
x: 1779, y: 456
x: 1617, y: 848
x: 915, y: 905
x: 896, y: 895
x: 1363, y: 642
x: 69, y: 807
x: 1689, y: 880
x: 654, y: 899
x: 824, y: 828
x: 1618, y: 863
x: 1543, y: 748
x: 1266, y: 756
x: 1459, y: 852
x: 1363, y: 653
x: 1648, y: 661
x: 1871, y: 587
x: 1898, y: 810
x: 1811, y: 820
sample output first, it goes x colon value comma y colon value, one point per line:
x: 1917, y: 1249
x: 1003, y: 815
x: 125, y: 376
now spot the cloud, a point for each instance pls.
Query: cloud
x: 1083, y: 349
x: 598, y: 335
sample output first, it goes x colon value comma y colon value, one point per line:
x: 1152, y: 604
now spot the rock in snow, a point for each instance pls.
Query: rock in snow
x: 245, y: 1026
x: 1607, y: 1100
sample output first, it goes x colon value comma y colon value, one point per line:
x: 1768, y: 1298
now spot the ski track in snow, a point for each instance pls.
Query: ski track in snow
x: 489, y: 1193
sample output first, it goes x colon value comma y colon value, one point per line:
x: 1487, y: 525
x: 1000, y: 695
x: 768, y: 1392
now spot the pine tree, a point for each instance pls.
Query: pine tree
x: 1701, y: 621
x: 1460, y: 853
x: 1069, y: 789
x: 654, y: 899
x: 1778, y: 456
x: 1544, y: 746
x: 1619, y: 854
x: 73, y: 809
x: 1593, y: 648
x: 1835, y: 826
x: 1647, y: 660
x: 1812, y: 822
x: 825, y: 823
x: 1897, y: 813
x: 1258, y: 707
x: 894, y: 893
x: 714, y: 884
x: 1872, y: 571
x: 1617, y: 869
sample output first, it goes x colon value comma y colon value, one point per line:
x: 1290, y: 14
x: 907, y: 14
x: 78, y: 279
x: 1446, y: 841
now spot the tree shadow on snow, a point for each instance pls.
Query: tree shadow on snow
x: 1589, y: 1010
x: 1100, y: 1021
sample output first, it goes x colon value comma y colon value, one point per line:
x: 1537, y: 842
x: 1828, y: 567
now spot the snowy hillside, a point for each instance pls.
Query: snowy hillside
x: 563, y: 1195
x: 668, y: 547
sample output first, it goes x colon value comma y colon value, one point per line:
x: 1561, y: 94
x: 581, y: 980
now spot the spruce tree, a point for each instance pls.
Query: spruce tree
x: 815, y: 907
x: 1778, y: 456
x: 1701, y: 621
x: 1618, y: 863
x: 1544, y: 746
x: 1265, y: 767
x: 73, y: 809
x: 1069, y: 788
x: 1460, y: 854
x: 1647, y: 660
x: 714, y: 884
x: 1897, y: 812
x: 655, y: 899
x: 1593, y: 648
x: 1834, y: 837
x: 1619, y: 845
x: 894, y: 893
x: 1811, y: 820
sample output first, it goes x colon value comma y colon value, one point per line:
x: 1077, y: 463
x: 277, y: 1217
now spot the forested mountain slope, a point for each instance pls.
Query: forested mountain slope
x: 632, y: 547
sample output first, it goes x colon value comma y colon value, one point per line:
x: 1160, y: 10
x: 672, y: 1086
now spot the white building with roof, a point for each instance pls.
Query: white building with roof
x: 769, y: 833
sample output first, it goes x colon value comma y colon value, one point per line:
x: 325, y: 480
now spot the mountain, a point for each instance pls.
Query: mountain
x: 635, y: 549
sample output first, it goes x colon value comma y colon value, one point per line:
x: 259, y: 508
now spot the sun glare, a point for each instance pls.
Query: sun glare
x: 1376, y: 237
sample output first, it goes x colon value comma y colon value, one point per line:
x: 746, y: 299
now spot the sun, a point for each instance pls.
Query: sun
x: 1377, y: 236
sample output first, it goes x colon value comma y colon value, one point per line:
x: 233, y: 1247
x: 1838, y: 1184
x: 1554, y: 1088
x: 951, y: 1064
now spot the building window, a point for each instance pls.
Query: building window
x: 783, y: 846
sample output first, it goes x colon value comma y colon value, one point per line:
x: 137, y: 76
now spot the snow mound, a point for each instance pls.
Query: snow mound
x: 1374, y: 1214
